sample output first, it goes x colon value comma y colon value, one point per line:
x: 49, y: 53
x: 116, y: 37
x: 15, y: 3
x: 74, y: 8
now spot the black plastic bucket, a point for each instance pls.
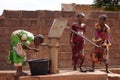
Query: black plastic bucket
x: 39, y: 66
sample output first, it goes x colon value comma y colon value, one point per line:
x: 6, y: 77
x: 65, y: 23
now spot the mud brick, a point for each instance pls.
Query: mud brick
x: 45, y: 30
x: 34, y: 23
x: 113, y: 15
x: 34, y: 30
x: 29, y: 14
x: 26, y: 22
x: 91, y: 22
x: 57, y: 14
x: 65, y: 63
x: 110, y: 23
x: 89, y: 31
x: 88, y: 46
x: 115, y: 46
x: 12, y: 23
x: 115, y: 31
x: 115, y: 62
x: 49, y: 14
x: 1, y: 22
x: 4, y: 65
x: 114, y: 54
x: 65, y: 38
x: 46, y: 14
x: 42, y: 22
x: 41, y: 14
x: 5, y: 40
x: 49, y: 21
x: 96, y: 14
x: 67, y: 14
x: 66, y: 32
x: 6, y: 31
x: 70, y: 21
x: 115, y: 39
x: 117, y: 23
x: 44, y: 52
x: 12, y: 14
x: 65, y: 55
x: 89, y: 37
x: 2, y: 31
x: 64, y: 48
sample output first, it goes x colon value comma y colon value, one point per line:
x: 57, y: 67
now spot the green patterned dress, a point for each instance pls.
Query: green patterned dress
x: 19, y: 37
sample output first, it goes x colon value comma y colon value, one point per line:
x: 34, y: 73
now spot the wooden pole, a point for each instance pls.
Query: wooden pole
x: 54, y: 35
x: 54, y: 45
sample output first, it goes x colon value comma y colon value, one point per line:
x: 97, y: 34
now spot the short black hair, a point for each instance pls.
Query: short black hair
x: 39, y: 37
x: 102, y: 16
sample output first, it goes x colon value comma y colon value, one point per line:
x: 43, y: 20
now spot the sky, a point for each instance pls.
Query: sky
x: 37, y: 4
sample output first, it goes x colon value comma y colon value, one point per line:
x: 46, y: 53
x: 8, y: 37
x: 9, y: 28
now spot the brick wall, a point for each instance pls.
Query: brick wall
x: 41, y: 21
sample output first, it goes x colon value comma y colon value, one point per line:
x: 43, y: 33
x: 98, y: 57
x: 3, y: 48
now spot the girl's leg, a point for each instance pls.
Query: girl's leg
x: 19, y: 70
x: 75, y: 68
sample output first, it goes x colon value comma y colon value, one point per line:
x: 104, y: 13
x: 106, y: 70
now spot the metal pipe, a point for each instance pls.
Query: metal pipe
x: 80, y: 35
